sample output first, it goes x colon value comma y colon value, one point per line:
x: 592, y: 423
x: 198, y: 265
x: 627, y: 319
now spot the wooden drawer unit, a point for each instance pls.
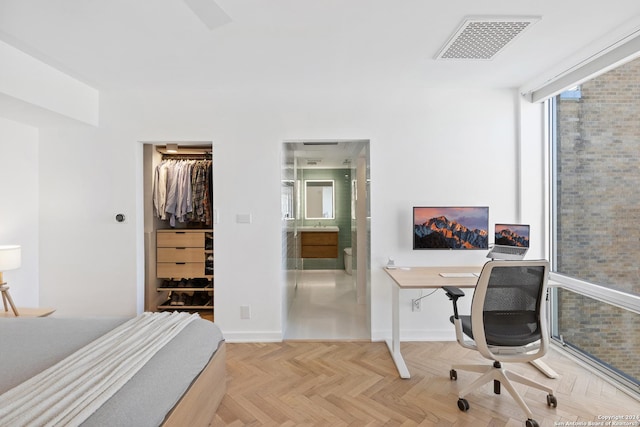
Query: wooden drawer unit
x: 323, y: 238
x: 187, y: 270
x: 319, y: 252
x: 180, y: 239
x: 182, y: 254
x: 319, y: 244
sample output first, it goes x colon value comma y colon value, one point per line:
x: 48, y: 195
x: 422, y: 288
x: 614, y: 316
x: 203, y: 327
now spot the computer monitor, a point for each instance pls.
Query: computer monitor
x: 511, y: 235
x: 511, y: 242
x: 450, y: 227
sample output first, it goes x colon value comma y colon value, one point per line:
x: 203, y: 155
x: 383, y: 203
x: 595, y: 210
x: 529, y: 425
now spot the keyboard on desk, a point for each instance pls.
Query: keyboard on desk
x: 459, y: 274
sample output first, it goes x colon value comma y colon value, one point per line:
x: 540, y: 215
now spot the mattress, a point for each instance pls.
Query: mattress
x: 30, y: 345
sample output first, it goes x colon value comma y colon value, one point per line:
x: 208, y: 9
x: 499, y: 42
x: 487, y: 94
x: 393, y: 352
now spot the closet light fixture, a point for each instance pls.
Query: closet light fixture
x: 172, y: 148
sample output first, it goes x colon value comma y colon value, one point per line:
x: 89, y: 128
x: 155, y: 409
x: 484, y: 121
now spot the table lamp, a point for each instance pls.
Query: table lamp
x: 9, y: 260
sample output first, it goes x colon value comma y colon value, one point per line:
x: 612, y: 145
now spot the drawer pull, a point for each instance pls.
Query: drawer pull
x: 180, y: 263
x: 181, y: 248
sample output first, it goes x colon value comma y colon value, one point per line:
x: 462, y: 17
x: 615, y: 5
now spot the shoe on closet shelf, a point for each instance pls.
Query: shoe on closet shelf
x: 175, y: 299
x: 197, y: 283
x: 195, y: 299
x: 188, y: 299
x: 204, y: 299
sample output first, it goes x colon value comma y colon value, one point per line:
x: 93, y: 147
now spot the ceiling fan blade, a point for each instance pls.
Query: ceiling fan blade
x: 209, y: 13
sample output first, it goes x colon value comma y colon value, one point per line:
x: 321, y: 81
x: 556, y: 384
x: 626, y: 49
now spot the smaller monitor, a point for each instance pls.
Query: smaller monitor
x: 511, y: 242
x: 512, y: 235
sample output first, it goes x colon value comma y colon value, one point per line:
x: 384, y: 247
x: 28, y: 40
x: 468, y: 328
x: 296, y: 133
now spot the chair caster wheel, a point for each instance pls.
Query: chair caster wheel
x: 531, y: 423
x: 453, y: 374
x: 552, y: 401
x: 463, y: 405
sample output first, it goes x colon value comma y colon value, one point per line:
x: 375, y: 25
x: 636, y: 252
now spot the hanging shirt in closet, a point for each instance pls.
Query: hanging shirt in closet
x: 184, y: 206
x: 160, y: 190
x: 200, y: 182
x: 182, y: 191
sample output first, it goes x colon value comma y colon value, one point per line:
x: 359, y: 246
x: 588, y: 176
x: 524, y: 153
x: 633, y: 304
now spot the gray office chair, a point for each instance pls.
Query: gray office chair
x: 507, y: 324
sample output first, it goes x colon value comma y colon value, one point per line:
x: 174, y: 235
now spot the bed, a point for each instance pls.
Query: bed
x: 181, y: 384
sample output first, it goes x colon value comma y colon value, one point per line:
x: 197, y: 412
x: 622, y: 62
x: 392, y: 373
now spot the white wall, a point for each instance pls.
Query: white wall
x: 87, y: 259
x: 445, y: 148
x: 428, y: 147
x: 19, y: 206
x: 42, y: 87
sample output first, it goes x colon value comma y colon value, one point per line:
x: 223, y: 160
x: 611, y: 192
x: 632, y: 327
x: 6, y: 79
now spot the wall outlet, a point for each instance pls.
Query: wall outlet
x: 415, y: 305
x: 245, y: 312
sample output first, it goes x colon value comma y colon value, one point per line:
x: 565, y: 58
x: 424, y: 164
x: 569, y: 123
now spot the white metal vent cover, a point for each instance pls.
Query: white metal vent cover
x: 483, y: 37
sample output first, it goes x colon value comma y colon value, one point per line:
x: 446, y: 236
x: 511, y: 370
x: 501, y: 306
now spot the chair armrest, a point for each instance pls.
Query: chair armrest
x: 453, y: 293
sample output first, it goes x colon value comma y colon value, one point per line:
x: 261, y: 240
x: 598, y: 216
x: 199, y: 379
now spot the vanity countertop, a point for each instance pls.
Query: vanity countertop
x: 319, y: 229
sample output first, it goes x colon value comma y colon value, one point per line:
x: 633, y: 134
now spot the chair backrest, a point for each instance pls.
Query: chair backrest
x: 508, y: 310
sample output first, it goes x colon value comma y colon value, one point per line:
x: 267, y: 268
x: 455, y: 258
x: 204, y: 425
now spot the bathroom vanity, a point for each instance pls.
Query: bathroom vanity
x: 318, y: 242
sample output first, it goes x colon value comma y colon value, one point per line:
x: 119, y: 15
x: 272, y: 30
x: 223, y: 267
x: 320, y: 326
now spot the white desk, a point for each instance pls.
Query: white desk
x: 429, y: 278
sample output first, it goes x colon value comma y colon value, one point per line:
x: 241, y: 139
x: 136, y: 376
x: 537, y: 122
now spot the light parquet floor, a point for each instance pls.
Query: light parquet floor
x: 296, y: 383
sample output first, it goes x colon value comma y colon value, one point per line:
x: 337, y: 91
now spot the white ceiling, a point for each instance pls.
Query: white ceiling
x: 147, y: 44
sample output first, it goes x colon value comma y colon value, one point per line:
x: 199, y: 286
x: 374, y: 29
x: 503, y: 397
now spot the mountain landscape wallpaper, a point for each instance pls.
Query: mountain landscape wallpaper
x: 450, y: 227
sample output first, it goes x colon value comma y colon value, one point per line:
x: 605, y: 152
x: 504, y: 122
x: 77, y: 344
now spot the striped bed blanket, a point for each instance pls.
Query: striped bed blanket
x: 68, y: 392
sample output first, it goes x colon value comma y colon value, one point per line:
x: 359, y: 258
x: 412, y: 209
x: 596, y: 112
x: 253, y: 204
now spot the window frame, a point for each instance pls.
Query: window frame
x: 607, y: 295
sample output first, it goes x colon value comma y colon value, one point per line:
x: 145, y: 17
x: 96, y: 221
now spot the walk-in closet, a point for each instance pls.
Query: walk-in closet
x: 179, y: 235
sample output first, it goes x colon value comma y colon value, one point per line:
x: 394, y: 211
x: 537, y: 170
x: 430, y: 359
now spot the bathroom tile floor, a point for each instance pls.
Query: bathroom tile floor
x: 325, y: 308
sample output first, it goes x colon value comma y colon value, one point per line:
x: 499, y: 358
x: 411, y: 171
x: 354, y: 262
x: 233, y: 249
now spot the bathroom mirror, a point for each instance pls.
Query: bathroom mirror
x: 319, y: 199
x: 287, y: 199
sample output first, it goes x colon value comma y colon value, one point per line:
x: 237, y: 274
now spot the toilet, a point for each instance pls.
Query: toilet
x: 347, y: 260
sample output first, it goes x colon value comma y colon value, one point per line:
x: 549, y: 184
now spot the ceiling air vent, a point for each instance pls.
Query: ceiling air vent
x: 483, y: 37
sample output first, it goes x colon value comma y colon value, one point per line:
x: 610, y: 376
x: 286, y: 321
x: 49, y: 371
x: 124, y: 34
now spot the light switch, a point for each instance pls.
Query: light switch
x: 244, y: 218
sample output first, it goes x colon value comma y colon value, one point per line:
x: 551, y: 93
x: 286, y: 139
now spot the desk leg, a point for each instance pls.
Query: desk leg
x: 394, y: 345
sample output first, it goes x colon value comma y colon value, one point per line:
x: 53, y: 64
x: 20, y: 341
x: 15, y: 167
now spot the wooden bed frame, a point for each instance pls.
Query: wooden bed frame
x: 199, y: 404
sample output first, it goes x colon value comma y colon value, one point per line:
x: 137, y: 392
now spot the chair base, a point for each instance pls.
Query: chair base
x: 501, y: 376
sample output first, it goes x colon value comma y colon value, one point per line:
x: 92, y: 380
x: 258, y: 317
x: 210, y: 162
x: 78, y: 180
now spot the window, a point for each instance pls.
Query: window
x: 596, y: 180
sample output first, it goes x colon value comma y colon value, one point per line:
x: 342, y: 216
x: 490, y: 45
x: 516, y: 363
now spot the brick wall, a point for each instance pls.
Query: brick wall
x: 599, y: 212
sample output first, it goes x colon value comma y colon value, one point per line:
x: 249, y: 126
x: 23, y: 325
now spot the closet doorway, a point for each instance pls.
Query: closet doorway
x: 178, y: 227
x: 326, y: 284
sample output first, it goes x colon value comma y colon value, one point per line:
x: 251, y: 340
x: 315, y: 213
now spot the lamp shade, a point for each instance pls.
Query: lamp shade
x: 9, y: 257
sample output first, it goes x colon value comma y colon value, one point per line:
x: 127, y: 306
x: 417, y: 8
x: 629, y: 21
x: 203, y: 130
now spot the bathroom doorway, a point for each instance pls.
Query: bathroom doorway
x: 326, y: 249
